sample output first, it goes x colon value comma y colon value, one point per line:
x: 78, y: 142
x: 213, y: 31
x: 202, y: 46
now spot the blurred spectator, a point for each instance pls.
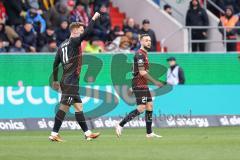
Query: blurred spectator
x: 17, y: 47
x: 93, y: 46
x: 146, y: 30
x: 88, y: 6
x: 129, y: 35
x: 116, y: 32
x: 55, y: 15
x: 3, y: 12
x: 2, y: 47
x: 135, y: 43
x: 39, y: 24
x: 63, y: 32
x: 103, y: 25
x: 99, y: 3
x: 175, y: 74
x: 14, y: 10
x: 131, y: 26
x: 197, y: 16
x: 70, y: 5
x: 32, y: 4
x: 28, y: 37
x: 120, y: 44
x: 9, y: 32
x: 228, y: 22
x: 223, y: 4
x: 168, y: 9
x: 46, y: 4
x: 79, y: 15
x: 3, y: 35
x: 124, y: 45
x: 47, y: 36
x: 51, y: 46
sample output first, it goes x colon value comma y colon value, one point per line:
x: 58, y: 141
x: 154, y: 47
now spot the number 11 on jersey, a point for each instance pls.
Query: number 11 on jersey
x: 65, y: 56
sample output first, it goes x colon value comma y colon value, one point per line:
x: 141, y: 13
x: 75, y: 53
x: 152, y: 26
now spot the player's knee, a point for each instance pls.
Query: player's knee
x: 64, y: 108
x: 78, y: 107
x: 149, y: 106
x: 141, y: 108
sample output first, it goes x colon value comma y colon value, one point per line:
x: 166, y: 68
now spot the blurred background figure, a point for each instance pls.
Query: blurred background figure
x: 63, y: 32
x: 131, y: 26
x: 103, y: 25
x: 3, y: 35
x: 228, y: 21
x: 116, y: 32
x: 34, y: 17
x: 17, y: 47
x: 14, y: 10
x: 168, y: 9
x: 45, y: 37
x: 135, y: 45
x: 2, y: 47
x: 55, y: 15
x: 146, y: 30
x: 79, y: 15
x: 175, y: 74
x: 45, y: 5
x: 51, y: 46
x: 3, y: 12
x: 197, y: 17
x: 93, y: 46
x: 28, y: 37
x: 99, y: 3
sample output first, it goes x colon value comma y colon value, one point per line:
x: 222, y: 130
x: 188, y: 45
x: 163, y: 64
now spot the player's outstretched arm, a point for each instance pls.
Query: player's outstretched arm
x: 90, y: 25
x: 88, y: 30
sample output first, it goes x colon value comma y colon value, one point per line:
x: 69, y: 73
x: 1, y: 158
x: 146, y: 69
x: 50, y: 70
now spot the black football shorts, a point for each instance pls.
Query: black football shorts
x: 142, y: 95
x: 70, y: 94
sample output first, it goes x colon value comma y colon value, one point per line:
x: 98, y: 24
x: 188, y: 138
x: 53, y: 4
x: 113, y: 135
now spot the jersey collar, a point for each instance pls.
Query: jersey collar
x: 142, y: 51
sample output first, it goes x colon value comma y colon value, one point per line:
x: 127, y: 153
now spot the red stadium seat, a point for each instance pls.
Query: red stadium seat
x: 116, y: 17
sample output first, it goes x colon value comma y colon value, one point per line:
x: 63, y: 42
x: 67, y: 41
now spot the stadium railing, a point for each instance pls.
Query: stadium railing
x: 224, y: 40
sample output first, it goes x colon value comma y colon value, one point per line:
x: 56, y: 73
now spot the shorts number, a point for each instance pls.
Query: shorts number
x: 144, y: 99
x: 65, y: 56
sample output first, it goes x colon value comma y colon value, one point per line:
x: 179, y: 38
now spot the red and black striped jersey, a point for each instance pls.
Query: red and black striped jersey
x: 140, y: 60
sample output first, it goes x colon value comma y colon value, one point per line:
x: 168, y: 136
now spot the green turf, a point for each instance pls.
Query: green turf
x: 177, y: 144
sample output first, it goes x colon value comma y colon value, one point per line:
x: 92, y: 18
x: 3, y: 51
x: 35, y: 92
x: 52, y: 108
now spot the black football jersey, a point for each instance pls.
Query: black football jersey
x: 69, y: 54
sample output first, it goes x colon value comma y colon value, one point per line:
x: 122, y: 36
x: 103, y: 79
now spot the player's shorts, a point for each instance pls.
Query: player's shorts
x: 70, y: 94
x: 142, y: 95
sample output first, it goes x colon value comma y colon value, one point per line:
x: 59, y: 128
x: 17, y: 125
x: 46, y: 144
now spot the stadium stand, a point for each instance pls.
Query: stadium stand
x: 41, y: 15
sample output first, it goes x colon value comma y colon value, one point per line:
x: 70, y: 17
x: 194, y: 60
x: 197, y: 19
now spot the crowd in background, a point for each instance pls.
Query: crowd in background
x: 42, y: 25
x: 196, y: 16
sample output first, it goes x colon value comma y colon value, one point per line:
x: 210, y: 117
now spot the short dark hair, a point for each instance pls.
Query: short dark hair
x: 166, y: 6
x: 145, y: 21
x: 171, y: 59
x: 17, y: 39
x: 76, y: 25
x: 144, y: 35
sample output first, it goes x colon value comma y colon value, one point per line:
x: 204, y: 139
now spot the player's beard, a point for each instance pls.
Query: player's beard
x: 147, y: 48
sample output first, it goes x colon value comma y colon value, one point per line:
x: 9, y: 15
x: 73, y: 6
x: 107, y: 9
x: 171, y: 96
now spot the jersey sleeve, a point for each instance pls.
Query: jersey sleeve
x: 139, y: 60
x: 77, y: 41
x: 56, y: 64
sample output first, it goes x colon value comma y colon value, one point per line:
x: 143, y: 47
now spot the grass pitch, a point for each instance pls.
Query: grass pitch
x: 176, y: 144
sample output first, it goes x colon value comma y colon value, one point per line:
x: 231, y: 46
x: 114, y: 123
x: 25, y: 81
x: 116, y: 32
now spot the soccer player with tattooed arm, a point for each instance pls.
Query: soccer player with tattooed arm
x: 140, y: 88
